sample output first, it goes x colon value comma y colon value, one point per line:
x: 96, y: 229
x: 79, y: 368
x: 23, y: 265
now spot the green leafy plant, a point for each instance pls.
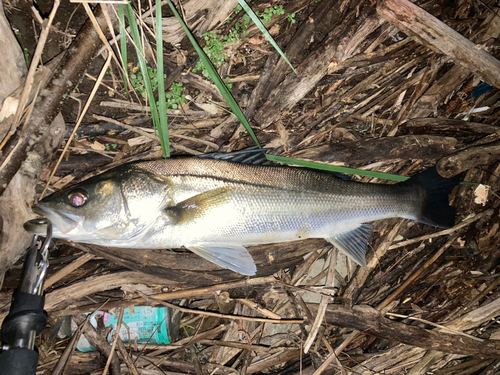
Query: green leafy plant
x: 21, y: 43
x: 214, y: 49
x: 174, y: 96
x: 228, y: 84
x: 291, y: 18
x: 270, y: 12
x: 237, y: 9
x: 158, y: 109
x: 223, y: 89
x: 137, y: 81
x: 110, y: 146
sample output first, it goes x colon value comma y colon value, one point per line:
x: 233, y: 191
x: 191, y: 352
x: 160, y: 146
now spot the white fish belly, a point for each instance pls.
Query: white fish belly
x: 270, y: 216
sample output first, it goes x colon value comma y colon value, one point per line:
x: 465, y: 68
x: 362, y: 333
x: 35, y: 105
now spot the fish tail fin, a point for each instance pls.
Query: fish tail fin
x: 435, y: 209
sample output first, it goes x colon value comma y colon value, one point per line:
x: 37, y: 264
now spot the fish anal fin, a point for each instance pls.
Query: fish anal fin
x: 197, y: 206
x: 233, y: 257
x: 353, y: 243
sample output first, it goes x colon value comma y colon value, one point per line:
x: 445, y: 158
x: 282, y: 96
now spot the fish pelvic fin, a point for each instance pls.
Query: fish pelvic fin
x: 353, y: 243
x: 233, y: 257
x: 435, y: 209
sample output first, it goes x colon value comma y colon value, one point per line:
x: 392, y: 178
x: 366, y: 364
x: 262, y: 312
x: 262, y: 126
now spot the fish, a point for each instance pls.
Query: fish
x: 217, y: 208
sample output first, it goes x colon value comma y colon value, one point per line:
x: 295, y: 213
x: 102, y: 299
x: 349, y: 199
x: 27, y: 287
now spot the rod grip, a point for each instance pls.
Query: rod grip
x: 18, y: 361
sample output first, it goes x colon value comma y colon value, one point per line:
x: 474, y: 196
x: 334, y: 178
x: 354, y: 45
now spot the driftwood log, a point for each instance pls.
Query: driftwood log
x: 340, y: 44
x: 28, y: 151
x: 448, y: 127
x: 189, y: 269
x: 367, y: 151
x: 370, y: 321
x: 63, y: 81
x: 414, y: 21
x: 471, y: 158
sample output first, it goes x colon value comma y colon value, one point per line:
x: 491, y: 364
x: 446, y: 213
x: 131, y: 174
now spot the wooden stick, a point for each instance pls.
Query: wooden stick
x: 68, y: 269
x: 273, y: 360
x: 325, y: 300
x: 444, y: 328
x: 384, y: 304
x: 427, y: 29
x: 442, y: 232
x: 239, y: 345
x: 115, y: 340
x: 179, y: 294
x: 372, y: 322
x: 418, y: 273
x: 470, y: 158
x: 104, y: 69
x: 257, y: 308
x: 218, y: 315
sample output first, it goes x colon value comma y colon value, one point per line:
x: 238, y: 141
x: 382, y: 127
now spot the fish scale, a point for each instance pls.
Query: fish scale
x: 217, y: 208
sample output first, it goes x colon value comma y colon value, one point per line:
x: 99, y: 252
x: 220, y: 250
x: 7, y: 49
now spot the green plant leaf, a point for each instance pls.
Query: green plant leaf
x: 264, y: 31
x: 134, y: 31
x: 162, y: 103
x: 335, y: 168
x: 123, y: 45
x: 226, y: 94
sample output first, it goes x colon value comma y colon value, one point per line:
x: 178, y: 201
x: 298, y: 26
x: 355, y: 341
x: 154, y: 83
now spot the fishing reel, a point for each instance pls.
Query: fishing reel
x: 26, y: 318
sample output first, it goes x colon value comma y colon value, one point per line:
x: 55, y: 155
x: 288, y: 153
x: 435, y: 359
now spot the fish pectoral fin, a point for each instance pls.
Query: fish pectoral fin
x: 233, y: 257
x: 354, y: 243
x: 197, y: 206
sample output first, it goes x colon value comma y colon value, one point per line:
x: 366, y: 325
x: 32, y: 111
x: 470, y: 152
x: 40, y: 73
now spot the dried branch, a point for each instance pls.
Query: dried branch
x: 370, y: 321
x: 414, y: 21
x: 64, y: 80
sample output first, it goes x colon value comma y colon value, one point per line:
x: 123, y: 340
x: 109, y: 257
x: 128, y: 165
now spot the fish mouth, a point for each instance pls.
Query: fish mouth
x: 63, y: 222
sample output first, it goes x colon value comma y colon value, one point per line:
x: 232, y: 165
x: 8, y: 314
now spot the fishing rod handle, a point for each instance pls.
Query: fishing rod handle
x: 25, y: 321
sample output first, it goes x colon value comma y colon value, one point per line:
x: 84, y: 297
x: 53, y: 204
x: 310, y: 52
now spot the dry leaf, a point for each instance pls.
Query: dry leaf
x: 139, y: 140
x: 62, y: 182
x: 97, y: 146
x: 210, y: 108
x: 481, y: 194
x: 255, y: 40
x: 274, y: 30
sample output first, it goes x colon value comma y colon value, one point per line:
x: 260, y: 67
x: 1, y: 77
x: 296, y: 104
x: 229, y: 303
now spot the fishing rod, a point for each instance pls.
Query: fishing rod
x: 26, y: 319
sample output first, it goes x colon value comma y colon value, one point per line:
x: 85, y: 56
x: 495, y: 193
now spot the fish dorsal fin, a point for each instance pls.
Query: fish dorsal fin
x: 251, y: 155
x: 233, y: 257
x: 354, y: 243
x: 198, y: 205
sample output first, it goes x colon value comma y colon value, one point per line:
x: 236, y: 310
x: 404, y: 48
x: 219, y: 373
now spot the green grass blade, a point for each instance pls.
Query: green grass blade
x: 162, y: 102
x: 134, y: 31
x: 335, y: 168
x: 264, y: 31
x: 226, y: 94
x: 123, y: 45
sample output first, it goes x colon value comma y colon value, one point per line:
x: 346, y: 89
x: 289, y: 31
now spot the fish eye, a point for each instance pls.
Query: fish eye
x: 78, y: 197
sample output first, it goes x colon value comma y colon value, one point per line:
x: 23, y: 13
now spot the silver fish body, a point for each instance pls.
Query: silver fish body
x: 216, y: 208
